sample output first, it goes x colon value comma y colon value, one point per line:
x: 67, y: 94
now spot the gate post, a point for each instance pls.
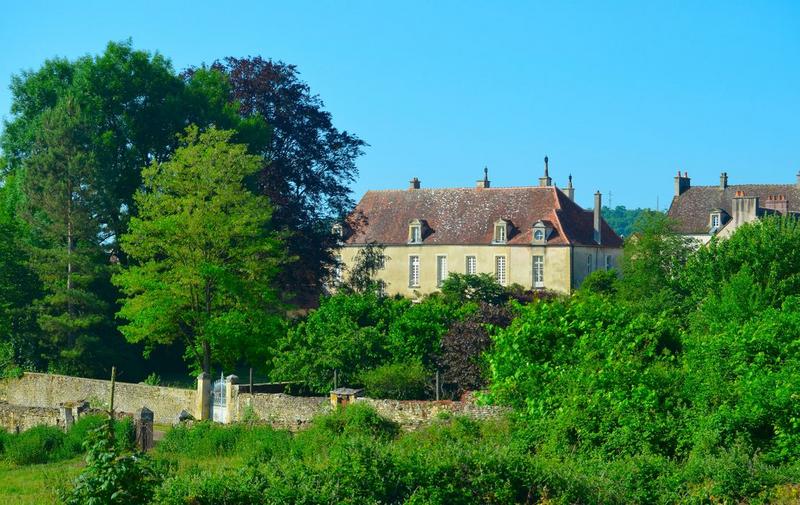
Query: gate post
x: 230, y: 398
x: 203, y: 397
x: 143, y: 422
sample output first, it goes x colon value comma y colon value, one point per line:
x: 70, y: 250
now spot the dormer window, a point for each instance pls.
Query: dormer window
x: 500, y: 231
x: 542, y: 231
x: 415, y: 229
x: 715, y: 220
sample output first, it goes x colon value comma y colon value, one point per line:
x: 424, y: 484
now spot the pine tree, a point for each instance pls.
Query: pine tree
x: 66, y: 251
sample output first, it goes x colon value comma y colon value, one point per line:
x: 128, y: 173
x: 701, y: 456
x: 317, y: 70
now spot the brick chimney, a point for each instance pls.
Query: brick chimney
x: 413, y: 183
x: 778, y: 203
x: 723, y: 180
x: 598, y: 204
x: 483, y: 183
x: 682, y: 183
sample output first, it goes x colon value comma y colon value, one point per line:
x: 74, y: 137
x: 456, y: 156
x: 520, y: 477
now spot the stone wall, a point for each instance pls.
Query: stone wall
x: 14, y: 418
x: 292, y: 412
x: 416, y: 414
x: 280, y: 410
x: 49, y: 390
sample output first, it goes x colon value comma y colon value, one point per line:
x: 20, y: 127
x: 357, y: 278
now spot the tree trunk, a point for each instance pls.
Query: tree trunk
x: 206, y: 344
x: 70, y: 311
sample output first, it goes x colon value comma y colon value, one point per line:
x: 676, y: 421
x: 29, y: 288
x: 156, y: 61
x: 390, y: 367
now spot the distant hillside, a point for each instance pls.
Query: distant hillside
x: 623, y: 219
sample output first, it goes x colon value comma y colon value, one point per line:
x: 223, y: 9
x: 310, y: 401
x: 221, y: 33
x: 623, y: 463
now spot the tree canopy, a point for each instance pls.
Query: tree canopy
x: 203, y: 258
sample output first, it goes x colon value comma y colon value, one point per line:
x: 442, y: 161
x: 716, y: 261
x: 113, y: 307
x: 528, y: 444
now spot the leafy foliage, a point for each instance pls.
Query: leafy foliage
x: 464, y: 344
x: 624, y: 221
x: 347, y: 333
x: 205, y: 261
x: 113, y: 476
x: 397, y: 381
x: 477, y: 288
x: 310, y: 163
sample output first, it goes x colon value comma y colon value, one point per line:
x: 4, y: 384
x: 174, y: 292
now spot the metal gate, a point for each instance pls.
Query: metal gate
x: 218, y: 407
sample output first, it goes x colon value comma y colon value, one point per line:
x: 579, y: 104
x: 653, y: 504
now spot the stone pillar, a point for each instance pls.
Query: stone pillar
x: 143, y: 423
x: 66, y: 415
x: 203, y: 397
x: 230, y: 398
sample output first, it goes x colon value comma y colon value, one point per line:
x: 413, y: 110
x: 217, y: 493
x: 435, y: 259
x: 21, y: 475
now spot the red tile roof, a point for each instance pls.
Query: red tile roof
x: 461, y: 216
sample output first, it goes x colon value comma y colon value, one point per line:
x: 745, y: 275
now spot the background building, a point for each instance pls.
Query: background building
x: 701, y: 212
x: 535, y: 236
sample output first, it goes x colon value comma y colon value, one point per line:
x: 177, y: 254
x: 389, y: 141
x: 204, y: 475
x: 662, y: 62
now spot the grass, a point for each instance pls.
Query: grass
x: 36, y: 484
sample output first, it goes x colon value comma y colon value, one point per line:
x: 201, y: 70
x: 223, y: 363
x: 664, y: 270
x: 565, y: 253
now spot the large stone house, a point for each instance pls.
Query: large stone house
x: 535, y: 236
x: 702, y: 212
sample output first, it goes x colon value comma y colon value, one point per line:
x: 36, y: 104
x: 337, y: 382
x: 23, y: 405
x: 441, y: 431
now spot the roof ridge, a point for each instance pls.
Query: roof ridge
x: 716, y: 186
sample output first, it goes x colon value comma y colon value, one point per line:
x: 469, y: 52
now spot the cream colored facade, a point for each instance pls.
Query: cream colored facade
x: 564, y: 266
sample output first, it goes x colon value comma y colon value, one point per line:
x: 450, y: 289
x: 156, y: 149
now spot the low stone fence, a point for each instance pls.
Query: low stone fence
x: 50, y: 391
x: 37, y: 398
x: 294, y: 412
x: 14, y: 418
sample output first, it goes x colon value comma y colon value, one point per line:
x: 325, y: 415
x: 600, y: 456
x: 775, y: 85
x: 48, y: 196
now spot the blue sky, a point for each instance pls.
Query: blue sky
x: 619, y: 94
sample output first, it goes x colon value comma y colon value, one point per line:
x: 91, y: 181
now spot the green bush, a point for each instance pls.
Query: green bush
x: 398, y: 381
x: 114, y: 475
x: 208, y: 439
x: 37, y: 445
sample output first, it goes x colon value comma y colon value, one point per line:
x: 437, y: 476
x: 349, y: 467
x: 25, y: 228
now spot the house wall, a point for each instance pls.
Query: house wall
x: 559, y: 264
x: 580, y: 261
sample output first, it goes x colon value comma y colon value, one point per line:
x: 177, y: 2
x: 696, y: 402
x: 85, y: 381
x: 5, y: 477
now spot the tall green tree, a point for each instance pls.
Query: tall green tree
x: 66, y: 252
x: 203, y: 260
x: 652, y: 263
x: 19, y: 286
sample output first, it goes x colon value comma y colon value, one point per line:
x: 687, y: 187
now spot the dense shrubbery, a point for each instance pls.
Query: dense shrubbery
x: 46, y: 444
x: 397, y: 381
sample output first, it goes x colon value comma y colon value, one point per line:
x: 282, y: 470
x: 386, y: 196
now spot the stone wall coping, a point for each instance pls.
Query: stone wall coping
x: 119, y: 383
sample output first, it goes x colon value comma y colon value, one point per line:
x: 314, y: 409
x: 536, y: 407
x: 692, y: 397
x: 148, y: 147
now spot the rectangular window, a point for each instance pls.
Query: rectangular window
x: 441, y: 270
x: 413, y: 271
x: 589, y: 264
x: 500, y: 269
x: 416, y: 235
x: 715, y: 220
x: 538, y: 271
x: 472, y: 265
x: 500, y: 234
x: 609, y: 264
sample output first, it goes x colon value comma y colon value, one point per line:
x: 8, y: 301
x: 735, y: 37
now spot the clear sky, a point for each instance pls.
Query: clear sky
x: 619, y: 94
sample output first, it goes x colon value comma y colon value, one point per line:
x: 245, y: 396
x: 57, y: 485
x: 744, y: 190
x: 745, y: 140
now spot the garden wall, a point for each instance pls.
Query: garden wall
x: 49, y: 391
x: 14, y: 418
x: 294, y: 413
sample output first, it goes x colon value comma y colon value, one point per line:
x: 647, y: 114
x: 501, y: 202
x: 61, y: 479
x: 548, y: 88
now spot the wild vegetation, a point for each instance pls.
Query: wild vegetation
x: 144, y: 208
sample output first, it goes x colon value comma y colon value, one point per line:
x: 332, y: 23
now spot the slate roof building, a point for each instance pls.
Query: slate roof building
x: 535, y: 236
x: 702, y: 212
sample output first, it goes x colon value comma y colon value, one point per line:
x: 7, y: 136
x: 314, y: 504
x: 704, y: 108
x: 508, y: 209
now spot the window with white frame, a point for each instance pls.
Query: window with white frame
x: 589, y: 264
x: 500, y: 269
x: 415, y: 234
x: 609, y: 262
x: 715, y: 220
x: 472, y: 265
x: 441, y: 270
x: 413, y: 271
x: 500, y: 232
x: 538, y: 235
x: 538, y: 271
